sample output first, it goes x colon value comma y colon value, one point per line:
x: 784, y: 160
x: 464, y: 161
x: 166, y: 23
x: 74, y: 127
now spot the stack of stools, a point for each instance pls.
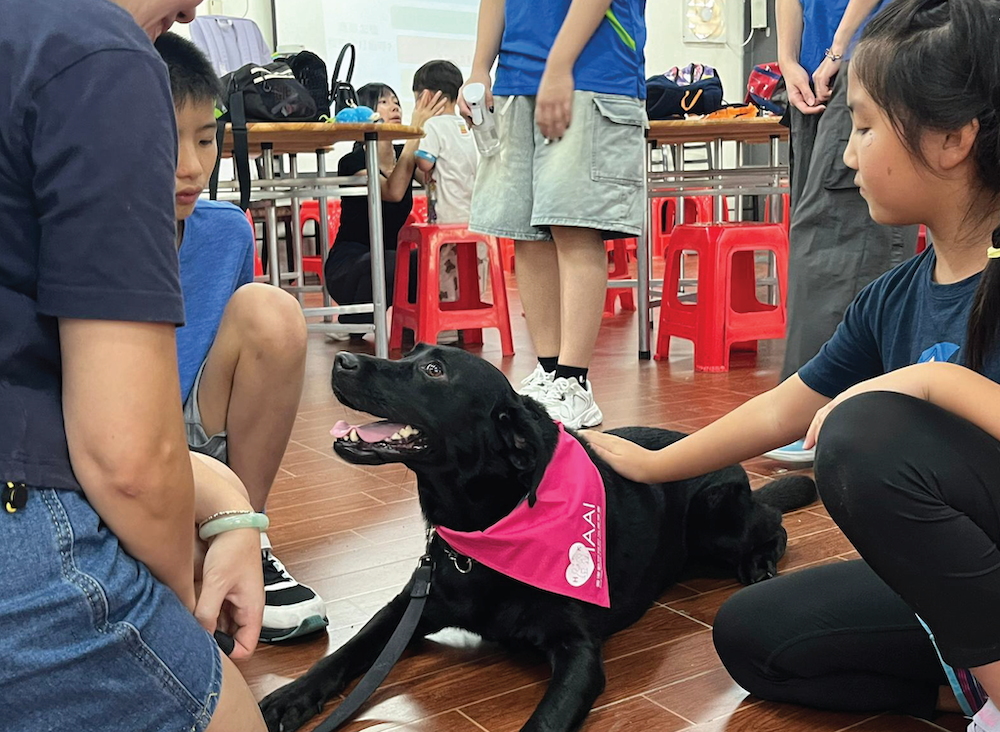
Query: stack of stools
x: 727, y: 313
x: 428, y: 316
x: 663, y: 217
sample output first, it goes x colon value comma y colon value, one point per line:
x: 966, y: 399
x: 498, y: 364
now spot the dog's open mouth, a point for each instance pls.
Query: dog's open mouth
x: 378, y: 442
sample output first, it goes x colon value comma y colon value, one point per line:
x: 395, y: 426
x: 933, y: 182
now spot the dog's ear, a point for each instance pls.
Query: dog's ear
x: 520, y: 431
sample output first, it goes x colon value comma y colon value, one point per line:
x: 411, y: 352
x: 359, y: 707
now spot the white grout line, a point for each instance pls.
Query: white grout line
x: 472, y: 720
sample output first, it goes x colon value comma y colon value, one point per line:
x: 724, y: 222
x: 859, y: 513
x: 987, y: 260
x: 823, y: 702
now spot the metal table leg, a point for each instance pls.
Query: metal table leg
x: 293, y: 172
x: 323, y: 235
x: 643, y: 257
x: 740, y: 148
x: 772, y: 265
x: 679, y: 216
x: 375, y: 231
x: 271, y: 220
x: 718, y: 201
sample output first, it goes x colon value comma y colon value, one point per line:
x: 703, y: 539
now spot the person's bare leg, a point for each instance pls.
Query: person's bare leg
x: 538, y: 285
x: 252, y: 383
x: 237, y: 710
x: 583, y: 280
x: 947, y: 702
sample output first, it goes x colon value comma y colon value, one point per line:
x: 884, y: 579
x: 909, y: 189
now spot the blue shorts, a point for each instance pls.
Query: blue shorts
x: 89, y: 640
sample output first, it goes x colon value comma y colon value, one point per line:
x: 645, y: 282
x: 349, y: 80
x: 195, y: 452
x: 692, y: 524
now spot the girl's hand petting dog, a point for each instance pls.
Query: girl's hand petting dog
x: 625, y: 457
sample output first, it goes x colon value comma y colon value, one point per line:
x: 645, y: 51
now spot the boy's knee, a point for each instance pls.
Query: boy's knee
x: 270, y: 319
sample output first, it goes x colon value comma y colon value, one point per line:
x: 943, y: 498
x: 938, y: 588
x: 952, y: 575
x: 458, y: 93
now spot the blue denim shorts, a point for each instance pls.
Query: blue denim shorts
x: 89, y: 640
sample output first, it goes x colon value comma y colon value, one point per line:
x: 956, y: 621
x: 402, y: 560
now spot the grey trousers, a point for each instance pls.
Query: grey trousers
x: 835, y: 247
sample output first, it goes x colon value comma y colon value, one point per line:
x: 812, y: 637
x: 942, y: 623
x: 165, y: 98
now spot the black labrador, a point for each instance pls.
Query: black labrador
x: 479, y: 449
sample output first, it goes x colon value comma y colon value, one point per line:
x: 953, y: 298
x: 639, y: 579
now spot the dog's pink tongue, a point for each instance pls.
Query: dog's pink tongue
x: 375, y: 432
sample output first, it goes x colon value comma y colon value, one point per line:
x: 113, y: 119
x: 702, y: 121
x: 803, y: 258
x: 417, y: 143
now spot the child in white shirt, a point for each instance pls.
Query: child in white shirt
x: 448, y: 156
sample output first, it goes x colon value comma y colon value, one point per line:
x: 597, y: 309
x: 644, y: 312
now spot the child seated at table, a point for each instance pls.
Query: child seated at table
x: 447, y: 155
x: 241, y: 352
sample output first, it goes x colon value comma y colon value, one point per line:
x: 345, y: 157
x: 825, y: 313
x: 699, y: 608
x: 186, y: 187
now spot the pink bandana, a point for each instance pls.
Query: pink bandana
x: 557, y: 545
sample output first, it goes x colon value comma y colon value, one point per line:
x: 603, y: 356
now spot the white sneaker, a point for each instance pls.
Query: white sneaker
x: 568, y: 402
x: 537, y: 383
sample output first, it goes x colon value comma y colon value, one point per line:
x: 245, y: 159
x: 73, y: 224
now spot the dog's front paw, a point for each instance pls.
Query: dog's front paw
x: 291, y: 706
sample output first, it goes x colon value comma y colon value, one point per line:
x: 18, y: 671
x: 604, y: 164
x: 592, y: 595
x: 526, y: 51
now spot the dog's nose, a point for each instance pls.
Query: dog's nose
x: 347, y: 361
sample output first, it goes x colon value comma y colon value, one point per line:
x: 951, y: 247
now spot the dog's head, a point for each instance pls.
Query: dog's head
x: 477, y: 447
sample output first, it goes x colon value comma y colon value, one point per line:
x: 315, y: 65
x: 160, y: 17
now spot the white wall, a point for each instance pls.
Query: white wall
x: 665, y: 46
x: 322, y: 25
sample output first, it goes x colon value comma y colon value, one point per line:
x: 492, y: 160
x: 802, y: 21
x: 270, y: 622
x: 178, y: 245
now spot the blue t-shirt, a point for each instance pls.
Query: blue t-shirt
x: 900, y: 319
x: 216, y: 255
x: 820, y: 19
x: 606, y: 65
x: 88, y: 148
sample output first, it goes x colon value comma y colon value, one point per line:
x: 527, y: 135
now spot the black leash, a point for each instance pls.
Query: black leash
x: 393, y: 649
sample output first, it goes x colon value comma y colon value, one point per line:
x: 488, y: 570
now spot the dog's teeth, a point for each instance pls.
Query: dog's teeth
x: 353, y: 436
x: 412, y: 430
x: 396, y: 436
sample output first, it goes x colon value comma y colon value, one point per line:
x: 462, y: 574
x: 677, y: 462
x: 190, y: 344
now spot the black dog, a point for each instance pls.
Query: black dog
x: 478, y: 450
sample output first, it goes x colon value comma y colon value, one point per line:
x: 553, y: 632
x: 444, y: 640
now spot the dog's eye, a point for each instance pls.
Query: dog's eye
x: 433, y: 369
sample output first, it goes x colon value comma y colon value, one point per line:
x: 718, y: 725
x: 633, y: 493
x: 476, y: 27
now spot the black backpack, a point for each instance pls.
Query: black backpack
x: 256, y: 93
x: 310, y: 71
x: 666, y: 99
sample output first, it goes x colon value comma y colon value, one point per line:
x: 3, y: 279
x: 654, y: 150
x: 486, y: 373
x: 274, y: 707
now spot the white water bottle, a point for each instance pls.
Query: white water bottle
x: 484, y: 127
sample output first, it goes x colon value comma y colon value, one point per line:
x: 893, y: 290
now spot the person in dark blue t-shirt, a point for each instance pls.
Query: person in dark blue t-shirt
x: 98, y: 599
x: 568, y: 172
x: 908, y: 460
x: 242, y: 350
x: 835, y: 246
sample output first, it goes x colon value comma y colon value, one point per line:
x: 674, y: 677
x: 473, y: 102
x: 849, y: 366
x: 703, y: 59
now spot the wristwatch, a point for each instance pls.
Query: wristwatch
x: 828, y: 53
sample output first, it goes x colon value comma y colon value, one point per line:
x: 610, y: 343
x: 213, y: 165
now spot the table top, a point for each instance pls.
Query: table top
x: 306, y: 137
x: 745, y: 129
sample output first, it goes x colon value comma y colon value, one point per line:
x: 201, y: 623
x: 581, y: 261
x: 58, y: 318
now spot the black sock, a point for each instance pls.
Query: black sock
x: 572, y: 372
x: 548, y: 363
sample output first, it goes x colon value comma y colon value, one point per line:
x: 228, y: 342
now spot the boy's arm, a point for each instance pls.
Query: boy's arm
x: 770, y: 420
x: 854, y: 16
x: 788, y: 14
x: 554, y: 103
x: 488, y: 36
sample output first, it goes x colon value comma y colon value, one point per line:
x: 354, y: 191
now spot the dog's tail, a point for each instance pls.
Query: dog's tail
x: 788, y: 494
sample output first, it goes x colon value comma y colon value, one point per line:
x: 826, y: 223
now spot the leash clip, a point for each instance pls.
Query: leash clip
x: 14, y: 496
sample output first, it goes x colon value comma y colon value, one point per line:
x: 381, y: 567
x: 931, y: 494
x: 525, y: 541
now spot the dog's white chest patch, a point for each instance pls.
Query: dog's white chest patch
x: 581, y: 565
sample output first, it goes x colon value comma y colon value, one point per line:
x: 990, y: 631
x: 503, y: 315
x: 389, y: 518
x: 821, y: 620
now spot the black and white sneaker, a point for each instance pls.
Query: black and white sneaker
x: 291, y: 609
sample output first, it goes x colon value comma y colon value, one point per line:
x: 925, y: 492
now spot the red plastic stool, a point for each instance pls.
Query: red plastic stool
x: 727, y: 311
x: 507, y: 254
x: 697, y: 209
x: 419, y: 210
x: 618, y: 249
x: 309, y: 211
x: 258, y: 266
x: 428, y: 316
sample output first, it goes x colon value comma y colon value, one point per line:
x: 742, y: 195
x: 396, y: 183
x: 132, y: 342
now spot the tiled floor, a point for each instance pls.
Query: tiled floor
x: 354, y: 534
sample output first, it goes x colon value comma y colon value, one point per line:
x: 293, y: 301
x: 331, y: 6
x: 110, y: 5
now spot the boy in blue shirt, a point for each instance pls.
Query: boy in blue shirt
x: 241, y: 352
x: 569, y: 173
